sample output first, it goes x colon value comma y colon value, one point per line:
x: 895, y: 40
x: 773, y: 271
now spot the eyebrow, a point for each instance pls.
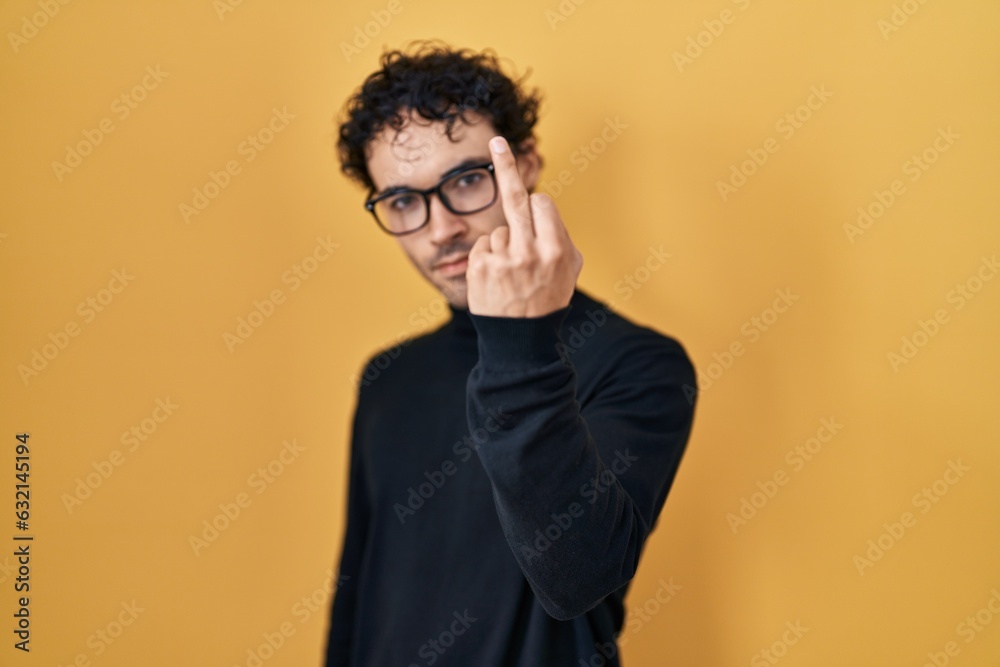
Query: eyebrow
x: 464, y: 164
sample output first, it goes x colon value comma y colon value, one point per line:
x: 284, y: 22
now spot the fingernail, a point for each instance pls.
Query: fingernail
x: 498, y: 144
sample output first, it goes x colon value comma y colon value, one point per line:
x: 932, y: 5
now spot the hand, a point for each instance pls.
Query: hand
x: 529, y: 267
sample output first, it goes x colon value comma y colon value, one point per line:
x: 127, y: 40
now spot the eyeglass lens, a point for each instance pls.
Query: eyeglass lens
x: 466, y: 192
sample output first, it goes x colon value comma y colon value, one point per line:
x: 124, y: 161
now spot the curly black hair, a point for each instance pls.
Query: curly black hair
x: 439, y: 83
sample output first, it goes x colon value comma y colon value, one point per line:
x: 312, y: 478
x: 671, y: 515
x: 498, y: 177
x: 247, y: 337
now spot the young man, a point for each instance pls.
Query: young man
x: 507, y: 467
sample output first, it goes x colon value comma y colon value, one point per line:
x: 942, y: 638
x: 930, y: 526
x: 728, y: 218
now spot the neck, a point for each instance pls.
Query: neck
x: 461, y: 321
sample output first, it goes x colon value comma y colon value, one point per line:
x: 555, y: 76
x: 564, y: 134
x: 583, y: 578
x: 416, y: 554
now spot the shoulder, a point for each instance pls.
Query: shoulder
x: 392, y: 359
x: 590, y: 320
x: 610, y: 344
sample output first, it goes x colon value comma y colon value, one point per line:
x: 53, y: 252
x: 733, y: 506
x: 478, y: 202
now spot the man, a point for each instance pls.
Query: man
x: 507, y: 467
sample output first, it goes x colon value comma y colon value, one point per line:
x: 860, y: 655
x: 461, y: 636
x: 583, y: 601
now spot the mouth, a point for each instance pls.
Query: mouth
x: 454, y: 267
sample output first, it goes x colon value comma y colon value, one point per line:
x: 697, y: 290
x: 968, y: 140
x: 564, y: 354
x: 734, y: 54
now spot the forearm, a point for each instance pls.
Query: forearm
x: 576, y: 490
x: 571, y: 525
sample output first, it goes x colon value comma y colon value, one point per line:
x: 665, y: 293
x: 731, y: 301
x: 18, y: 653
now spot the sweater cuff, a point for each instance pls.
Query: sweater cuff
x: 508, y: 343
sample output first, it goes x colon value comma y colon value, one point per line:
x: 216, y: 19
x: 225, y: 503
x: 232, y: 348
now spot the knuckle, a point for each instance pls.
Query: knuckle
x: 554, y: 252
x: 553, y: 256
x: 518, y: 197
x: 521, y: 261
x: 539, y: 200
x: 476, y: 267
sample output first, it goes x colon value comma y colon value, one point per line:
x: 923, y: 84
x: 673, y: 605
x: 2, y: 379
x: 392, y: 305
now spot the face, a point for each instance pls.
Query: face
x: 417, y: 157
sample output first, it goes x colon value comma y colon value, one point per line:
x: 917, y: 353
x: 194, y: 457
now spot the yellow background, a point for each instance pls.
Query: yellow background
x: 162, y: 336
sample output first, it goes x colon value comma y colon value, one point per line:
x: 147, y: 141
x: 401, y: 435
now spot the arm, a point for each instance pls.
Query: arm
x: 578, y: 488
x: 338, y: 650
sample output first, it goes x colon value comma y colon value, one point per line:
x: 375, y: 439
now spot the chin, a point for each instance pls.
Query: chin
x: 454, y: 293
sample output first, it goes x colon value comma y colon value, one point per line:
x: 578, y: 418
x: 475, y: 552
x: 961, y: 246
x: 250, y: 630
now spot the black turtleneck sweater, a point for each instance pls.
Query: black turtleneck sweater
x: 504, y: 475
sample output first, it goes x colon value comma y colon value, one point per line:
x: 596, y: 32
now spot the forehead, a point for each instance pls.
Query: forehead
x: 421, y: 151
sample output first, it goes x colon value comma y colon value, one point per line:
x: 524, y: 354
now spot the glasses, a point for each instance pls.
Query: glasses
x: 470, y: 190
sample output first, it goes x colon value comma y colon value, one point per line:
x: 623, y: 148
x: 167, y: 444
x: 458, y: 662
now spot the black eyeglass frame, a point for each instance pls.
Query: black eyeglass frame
x: 370, y: 203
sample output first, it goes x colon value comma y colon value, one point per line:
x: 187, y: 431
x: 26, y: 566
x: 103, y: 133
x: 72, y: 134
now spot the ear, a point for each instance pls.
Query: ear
x: 529, y: 163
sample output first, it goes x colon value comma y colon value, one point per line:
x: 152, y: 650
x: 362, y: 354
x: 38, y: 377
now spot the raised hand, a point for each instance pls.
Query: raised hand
x: 528, y: 268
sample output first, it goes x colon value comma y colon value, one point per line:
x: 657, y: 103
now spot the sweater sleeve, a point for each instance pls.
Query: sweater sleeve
x: 578, y: 488
x: 345, y: 601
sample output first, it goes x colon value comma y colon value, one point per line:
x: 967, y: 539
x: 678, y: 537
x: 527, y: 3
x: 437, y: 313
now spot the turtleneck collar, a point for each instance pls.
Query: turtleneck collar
x: 461, y: 321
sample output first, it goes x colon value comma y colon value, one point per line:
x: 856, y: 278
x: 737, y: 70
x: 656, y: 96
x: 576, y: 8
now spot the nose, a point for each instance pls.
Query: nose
x: 444, y: 225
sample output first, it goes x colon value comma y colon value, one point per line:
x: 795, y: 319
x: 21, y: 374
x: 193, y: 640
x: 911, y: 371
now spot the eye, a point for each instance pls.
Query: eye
x: 402, y: 202
x: 470, y: 179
